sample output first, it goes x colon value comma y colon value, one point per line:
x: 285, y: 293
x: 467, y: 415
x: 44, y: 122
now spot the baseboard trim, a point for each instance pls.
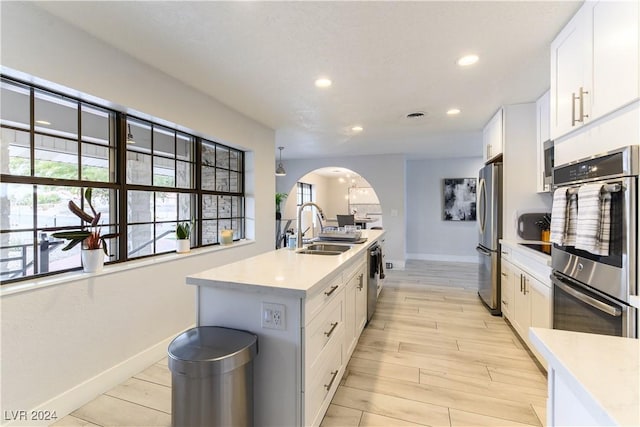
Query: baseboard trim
x: 72, y: 399
x: 444, y: 258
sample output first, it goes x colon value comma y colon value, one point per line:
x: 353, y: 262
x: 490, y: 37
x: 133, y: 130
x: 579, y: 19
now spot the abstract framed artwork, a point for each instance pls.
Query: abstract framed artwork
x: 459, y: 199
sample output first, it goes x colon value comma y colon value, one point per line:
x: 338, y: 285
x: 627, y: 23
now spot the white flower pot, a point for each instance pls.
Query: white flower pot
x: 183, y: 245
x: 92, y: 260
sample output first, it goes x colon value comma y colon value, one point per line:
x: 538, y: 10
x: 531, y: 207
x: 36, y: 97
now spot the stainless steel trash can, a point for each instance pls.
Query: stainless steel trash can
x: 212, y: 377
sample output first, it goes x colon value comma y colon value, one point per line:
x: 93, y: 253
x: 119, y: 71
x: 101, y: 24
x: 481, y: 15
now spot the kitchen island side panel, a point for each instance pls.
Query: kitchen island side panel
x: 277, y: 367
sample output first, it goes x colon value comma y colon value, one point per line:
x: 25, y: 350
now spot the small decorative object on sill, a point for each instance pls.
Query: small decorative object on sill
x: 94, y: 245
x: 183, y: 237
x: 226, y: 237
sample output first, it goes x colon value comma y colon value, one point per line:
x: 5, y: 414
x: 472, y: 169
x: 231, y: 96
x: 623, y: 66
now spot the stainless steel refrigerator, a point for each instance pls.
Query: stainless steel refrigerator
x: 489, y: 211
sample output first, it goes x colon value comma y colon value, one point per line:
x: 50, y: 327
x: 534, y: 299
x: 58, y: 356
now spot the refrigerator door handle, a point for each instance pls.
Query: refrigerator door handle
x: 482, y: 204
x: 483, y: 251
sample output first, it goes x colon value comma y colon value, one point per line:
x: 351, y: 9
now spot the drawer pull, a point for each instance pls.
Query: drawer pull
x: 333, y: 326
x: 361, y: 279
x: 333, y: 289
x: 504, y: 274
x: 334, y: 374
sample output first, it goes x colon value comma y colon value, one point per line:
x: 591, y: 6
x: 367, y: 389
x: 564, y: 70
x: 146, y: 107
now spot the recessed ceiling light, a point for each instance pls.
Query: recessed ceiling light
x: 453, y: 112
x: 43, y: 122
x: 468, y: 60
x: 323, y: 82
x: 357, y: 128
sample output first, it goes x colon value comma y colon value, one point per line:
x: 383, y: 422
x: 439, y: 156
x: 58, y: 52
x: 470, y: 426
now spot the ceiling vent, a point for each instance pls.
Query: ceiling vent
x: 416, y: 115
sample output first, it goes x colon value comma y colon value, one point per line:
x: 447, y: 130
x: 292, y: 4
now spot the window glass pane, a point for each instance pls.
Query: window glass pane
x: 96, y: 125
x: 140, y: 241
x: 238, y: 232
x: 224, y: 207
x: 234, y: 163
x: 16, y: 255
x: 141, y: 135
x: 235, y: 183
x: 15, y: 156
x: 165, y: 237
x: 166, y: 206
x: 184, y: 207
x: 209, y: 206
x: 56, y: 115
x: 184, y: 147
x: 14, y: 105
x: 139, y: 206
x: 222, y: 180
x: 184, y: 175
x: 222, y: 157
x: 53, y: 206
x: 209, y: 232
x: 208, y: 154
x: 163, y: 141
x: 56, y: 157
x: 208, y: 178
x: 236, y: 206
x: 95, y: 163
x: 138, y: 168
x: 17, y: 206
x: 163, y: 172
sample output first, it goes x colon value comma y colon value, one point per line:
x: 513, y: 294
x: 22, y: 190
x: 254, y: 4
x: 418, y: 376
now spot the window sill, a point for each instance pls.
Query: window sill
x: 64, y: 278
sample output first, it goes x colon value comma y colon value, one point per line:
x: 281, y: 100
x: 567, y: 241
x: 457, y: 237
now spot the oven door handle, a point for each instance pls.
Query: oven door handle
x: 613, y: 311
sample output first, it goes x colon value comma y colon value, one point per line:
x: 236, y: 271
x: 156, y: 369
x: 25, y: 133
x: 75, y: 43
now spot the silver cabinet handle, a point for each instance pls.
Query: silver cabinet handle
x: 361, y: 279
x: 334, y: 374
x: 524, y: 280
x: 504, y: 274
x: 483, y: 251
x: 333, y: 327
x: 333, y: 289
x: 606, y: 308
x: 521, y: 283
x: 574, y: 98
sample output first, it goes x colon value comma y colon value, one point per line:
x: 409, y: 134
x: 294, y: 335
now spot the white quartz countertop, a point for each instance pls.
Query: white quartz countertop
x: 537, y: 255
x: 282, y: 271
x: 603, y: 371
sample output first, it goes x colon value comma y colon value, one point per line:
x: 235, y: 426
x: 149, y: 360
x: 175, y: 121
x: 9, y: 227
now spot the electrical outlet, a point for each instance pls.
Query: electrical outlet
x: 273, y: 316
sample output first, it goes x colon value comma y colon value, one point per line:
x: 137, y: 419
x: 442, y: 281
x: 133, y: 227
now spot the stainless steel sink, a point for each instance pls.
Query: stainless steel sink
x: 328, y: 247
x: 324, y: 249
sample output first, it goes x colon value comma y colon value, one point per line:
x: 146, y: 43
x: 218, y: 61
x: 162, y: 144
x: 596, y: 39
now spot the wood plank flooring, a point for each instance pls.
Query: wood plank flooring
x: 431, y: 356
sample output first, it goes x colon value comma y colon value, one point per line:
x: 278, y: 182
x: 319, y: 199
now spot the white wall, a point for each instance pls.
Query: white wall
x: 385, y: 173
x: 519, y: 168
x: 94, y: 331
x: 428, y: 235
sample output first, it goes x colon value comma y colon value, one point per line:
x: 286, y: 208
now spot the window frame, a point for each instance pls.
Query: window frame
x: 117, y: 179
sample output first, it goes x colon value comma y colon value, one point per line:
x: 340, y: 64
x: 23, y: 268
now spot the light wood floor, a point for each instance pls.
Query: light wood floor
x: 432, y: 355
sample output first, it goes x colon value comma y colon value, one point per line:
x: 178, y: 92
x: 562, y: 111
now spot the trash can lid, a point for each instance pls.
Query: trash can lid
x: 208, y: 350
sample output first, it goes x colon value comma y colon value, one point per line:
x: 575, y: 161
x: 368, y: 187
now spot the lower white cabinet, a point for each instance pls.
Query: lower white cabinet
x: 356, y: 308
x: 526, y: 302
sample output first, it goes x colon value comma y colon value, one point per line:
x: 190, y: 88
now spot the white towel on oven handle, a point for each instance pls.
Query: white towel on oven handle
x: 594, y: 219
x: 564, y: 215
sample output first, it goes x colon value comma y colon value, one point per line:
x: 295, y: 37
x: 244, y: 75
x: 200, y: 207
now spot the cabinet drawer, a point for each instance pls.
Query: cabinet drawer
x: 322, y: 384
x: 353, y: 269
x: 325, y: 328
x: 315, y: 303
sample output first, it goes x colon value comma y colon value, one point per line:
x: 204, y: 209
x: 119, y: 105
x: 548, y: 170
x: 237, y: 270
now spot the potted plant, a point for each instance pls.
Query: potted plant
x: 279, y: 198
x: 94, y: 245
x: 183, y: 237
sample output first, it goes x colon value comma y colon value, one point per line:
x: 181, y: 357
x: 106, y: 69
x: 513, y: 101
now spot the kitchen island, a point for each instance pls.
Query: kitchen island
x: 593, y: 379
x: 308, y: 312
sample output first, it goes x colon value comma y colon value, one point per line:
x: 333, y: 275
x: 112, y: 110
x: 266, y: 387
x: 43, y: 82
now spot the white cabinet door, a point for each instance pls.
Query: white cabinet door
x: 542, y: 136
x: 361, y: 303
x: 493, y: 136
x: 568, y: 62
x: 521, y: 305
x: 614, y: 30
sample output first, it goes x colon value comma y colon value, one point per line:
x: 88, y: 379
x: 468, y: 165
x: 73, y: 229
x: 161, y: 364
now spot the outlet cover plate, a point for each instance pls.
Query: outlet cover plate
x: 273, y: 316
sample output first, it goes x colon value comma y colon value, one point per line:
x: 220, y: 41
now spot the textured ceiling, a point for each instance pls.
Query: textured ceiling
x: 385, y: 59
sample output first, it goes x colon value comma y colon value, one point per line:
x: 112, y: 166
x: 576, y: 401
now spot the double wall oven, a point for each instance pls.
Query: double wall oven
x: 591, y: 293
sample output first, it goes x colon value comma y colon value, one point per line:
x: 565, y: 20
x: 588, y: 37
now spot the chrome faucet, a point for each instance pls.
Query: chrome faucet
x: 299, y: 223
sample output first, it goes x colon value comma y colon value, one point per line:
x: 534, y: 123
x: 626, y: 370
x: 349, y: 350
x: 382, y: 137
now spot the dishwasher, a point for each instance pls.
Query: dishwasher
x: 374, y: 265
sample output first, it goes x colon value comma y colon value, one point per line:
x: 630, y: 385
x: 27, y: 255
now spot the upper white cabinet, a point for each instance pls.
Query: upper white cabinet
x: 542, y: 136
x: 493, y: 137
x: 594, y: 64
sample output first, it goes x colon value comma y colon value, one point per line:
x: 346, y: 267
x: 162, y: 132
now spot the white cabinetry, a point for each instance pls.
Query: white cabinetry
x: 542, y: 136
x: 356, y: 307
x: 594, y: 64
x: 493, y: 137
x: 526, y: 299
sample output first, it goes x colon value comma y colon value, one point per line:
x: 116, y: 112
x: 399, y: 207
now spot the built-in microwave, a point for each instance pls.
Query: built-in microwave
x: 548, y: 165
